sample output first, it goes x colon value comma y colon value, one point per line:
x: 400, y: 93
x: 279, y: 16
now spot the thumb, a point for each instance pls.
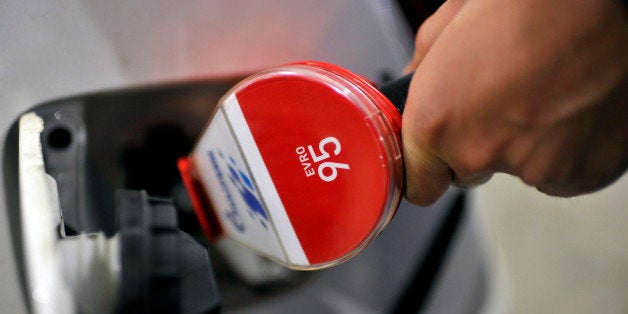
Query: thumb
x: 427, y: 176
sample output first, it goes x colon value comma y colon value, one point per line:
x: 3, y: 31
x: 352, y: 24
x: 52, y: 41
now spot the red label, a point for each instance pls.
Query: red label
x: 324, y: 160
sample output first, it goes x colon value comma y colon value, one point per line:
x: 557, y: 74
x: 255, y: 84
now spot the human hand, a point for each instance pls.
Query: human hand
x: 534, y: 88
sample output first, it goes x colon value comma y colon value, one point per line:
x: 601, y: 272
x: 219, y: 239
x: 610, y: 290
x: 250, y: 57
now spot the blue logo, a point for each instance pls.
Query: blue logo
x: 243, y: 184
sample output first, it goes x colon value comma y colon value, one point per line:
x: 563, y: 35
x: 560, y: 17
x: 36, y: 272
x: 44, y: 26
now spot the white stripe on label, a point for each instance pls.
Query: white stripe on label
x: 219, y: 160
x: 283, y: 226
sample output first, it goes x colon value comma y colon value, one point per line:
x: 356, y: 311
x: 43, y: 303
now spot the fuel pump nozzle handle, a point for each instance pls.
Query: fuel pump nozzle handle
x: 397, y: 91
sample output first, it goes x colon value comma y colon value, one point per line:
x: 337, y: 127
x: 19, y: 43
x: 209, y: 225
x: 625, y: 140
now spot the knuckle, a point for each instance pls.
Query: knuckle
x: 474, y: 162
x: 424, y: 37
x: 532, y: 176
